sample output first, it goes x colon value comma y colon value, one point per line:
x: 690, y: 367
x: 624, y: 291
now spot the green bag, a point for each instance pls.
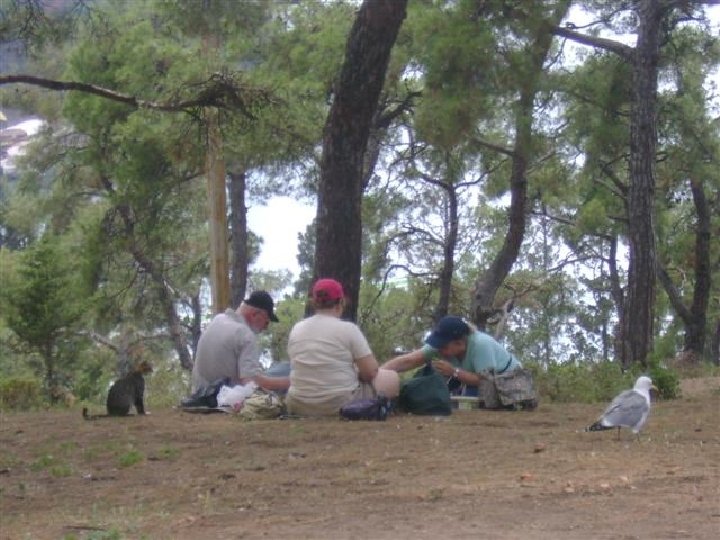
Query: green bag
x: 425, y: 393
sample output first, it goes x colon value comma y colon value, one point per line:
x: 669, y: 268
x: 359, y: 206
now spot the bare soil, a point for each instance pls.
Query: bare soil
x: 476, y: 474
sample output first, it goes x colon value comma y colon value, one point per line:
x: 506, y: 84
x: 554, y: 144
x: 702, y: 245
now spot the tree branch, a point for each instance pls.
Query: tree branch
x: 492, y: 146
x: 628, y: 53
x: 220, y: 91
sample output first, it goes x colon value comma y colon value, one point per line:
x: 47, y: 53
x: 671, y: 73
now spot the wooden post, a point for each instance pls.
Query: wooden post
x: 217, y: 216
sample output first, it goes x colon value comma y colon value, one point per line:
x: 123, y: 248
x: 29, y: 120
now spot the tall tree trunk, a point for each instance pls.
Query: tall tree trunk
x: 239, y: 239
x: 618, y: 295
x: 449, y: 245
x: 339, y: 221
x: 489, y: 282
x: 50, y: 378
x: 694, y: 317
x: 641, y: 290
x: 217, y: 215
x: 196, y: 324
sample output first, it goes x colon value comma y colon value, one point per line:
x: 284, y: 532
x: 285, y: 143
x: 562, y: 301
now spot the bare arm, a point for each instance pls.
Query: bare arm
x: 268, y: 383
x: 367, y: 367
x: 406, y: 361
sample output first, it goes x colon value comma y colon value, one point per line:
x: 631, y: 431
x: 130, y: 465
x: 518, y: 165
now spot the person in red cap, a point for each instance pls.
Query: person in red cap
x: 331, y: 361
x: 228, y: 348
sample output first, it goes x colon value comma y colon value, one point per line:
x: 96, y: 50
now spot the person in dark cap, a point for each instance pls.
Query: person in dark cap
x: 228, y: 348
x: 459, y: 352
x: 331, y: 361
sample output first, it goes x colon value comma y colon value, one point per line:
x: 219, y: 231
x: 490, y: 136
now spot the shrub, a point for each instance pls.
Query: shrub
x: 666, y: 380
x: 585, y: 382
x: 20, y: 393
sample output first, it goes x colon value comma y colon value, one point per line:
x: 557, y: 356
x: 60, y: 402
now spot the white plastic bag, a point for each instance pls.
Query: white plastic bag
x: 234, y: 396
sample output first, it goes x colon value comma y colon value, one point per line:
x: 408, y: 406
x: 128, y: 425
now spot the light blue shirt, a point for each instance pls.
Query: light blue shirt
x: 483, y: 354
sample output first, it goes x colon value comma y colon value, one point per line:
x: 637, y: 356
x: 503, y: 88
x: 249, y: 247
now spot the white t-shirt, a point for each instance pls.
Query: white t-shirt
x: 322, y: 351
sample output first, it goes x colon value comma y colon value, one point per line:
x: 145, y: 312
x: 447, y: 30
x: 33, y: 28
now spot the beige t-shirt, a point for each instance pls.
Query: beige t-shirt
x: 322, y: 351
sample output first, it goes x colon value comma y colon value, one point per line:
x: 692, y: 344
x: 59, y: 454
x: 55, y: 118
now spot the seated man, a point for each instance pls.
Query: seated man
x: 331, y: 361
x: 465, y: 354
x: 228, y: 348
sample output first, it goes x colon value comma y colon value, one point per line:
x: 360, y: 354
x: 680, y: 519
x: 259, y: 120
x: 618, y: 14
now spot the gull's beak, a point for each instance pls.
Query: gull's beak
x: 657, y: 392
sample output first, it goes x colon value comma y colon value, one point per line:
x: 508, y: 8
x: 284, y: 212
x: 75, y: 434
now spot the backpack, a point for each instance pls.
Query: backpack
x: 425, y: 393
x: 509, y: 390
x: 366, y: 409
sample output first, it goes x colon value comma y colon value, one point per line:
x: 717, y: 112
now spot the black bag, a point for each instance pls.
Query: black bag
x: 426, y: 393
x: 366, y: 409
x: 205, y: 396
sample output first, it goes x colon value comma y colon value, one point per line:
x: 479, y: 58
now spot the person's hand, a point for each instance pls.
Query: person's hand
x: 443, y: 367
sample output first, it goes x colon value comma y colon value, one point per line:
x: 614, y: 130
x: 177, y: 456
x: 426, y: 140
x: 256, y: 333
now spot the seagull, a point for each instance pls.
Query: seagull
x: 629, y: 409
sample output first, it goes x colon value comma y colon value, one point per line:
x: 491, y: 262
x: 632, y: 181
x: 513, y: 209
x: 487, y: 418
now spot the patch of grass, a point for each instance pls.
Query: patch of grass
x: 68, y: 446
x: 43, y: 462
x: 57, y: 468
x: 9, y: 461
x: 112, y: 534
x: 110, y: 446
x: 61, y: 470
x: 130, y: 458
x: 168, y: 453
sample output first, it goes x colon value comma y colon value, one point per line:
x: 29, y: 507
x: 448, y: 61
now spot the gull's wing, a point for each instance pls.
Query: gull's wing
x: 629, y: 409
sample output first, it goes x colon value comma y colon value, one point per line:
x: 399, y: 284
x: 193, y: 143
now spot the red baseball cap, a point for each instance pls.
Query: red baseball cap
x: 327, y: 290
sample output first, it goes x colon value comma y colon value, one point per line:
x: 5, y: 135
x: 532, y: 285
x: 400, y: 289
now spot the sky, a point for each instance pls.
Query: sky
x: 279, y: 223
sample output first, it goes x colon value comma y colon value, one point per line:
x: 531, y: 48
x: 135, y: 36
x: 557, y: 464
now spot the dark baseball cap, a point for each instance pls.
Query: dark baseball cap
x: 446, y: 330
x: 262, y: 300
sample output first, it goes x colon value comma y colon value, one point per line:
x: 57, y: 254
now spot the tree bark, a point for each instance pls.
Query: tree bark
x: 449, y: 245
x: 694, y: 317
x: 239, y: 237
x: 641, y: 289
x: 345, y: 138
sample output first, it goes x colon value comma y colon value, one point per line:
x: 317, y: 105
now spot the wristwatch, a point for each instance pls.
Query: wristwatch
x: 456, y: 372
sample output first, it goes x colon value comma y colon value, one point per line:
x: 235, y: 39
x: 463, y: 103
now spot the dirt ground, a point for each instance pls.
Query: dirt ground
x: 476, y: 474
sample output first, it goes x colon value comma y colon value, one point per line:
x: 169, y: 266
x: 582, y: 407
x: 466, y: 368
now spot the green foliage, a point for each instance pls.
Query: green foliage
x: 385, y: 324
x: 20, y: 393
x: 666, y: 380
x: 130, y: 458
x: 598, y: 382
x: 289, y: 311
x: 40, y: 306
x: 43, y: 305
x: 580, y: 382
x: 166, y: 384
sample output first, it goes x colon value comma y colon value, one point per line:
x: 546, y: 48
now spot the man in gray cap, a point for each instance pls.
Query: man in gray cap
x: 228, y: 348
